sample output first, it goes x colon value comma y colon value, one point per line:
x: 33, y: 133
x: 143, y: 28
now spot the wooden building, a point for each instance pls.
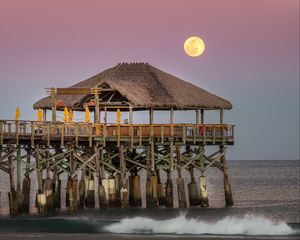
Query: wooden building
x: 114, y: 153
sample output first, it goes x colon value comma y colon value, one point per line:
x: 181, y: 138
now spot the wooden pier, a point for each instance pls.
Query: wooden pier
x: 114, y: 154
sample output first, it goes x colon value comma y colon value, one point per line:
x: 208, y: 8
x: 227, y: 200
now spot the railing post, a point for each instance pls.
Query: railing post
x: 32, y: 133
x: 62, y: 140
x: 76, y: 134
x: 162, y: 133
x: 1, y: 133
x: 17, y: 132
x: 183, y: 134
x: 48, y: 134
x: 140, y: 135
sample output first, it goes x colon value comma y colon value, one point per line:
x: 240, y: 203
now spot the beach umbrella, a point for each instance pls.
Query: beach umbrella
x: 18, y: 113
x: 70, y: 116
x: 40, y: 115
x: 87, y: 115
x: 66, y: 114
x: 118, y: 116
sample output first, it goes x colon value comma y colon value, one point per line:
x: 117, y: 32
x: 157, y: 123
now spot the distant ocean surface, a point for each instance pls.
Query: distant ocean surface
x: 266, y: 198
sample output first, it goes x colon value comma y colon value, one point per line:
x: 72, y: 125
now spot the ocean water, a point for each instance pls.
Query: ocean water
x: 266, y: 198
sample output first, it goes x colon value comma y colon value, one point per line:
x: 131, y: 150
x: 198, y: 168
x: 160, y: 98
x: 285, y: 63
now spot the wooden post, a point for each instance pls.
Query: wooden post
x: 221, y: 116
x: 151, y: 116
x: 161, y: 193
x: 202, y: 116
x: 202, y: 181
x: 45, y: 115
x: 53, y: 96
x: 48, y: 186
x: 82, y: 189
x: 26, y: 183
x: 227, y: 186
x: 123, y: 184
x: 180, y: 182
x: 41, y: 197
x: 90, y: 198
x: 131, y: 125
x: 150, y: 194
x: 1, y: 133
x: 169, y: 183
x: 18, y: 160
x: 197, y: 117
x: 172, y: 121
x: 97, y: 107
x: 103, y: 202
x: 193, y: 189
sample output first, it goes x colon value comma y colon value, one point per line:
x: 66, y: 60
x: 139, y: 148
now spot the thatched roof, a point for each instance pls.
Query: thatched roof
x: 145, y: 87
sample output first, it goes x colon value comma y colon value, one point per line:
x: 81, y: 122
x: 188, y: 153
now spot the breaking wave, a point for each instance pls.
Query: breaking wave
x: 247, y: 225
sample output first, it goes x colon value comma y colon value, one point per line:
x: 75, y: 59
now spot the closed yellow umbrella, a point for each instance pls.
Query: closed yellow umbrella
x: 66, y: 114
x: 70, y: 116
x: 18, y: 113
x: 118, y: 116
x: 40, y: 115
x: 87, y: 115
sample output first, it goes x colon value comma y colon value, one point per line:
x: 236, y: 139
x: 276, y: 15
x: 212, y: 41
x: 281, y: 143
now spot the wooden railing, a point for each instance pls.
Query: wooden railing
x: 135, y: 133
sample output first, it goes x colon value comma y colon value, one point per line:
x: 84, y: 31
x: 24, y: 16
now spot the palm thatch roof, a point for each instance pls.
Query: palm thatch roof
x: 144, y: 86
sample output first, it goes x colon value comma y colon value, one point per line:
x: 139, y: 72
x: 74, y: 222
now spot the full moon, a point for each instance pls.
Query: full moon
x: 194, y: 46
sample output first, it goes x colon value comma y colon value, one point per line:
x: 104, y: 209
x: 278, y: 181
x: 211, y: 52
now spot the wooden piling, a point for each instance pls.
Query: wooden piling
x: 151, y: 183
x: 227, y: 186
x: 82, y: 189
x: 26, y: 184
x: 169, y: 183
x: 194, y: 197
x: 202, y: 180
x: 180, y: 182
x: 123, y: 182
x: 112, y: 191
x: 57, y: 190
x: 161, y: 193
x: 90, y: 196
x: 103, y: 201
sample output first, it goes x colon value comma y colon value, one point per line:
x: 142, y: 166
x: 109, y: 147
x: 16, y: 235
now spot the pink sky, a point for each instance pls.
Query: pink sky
x: 251, y: 57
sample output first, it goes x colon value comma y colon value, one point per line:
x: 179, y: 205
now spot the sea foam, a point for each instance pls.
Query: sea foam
x: 247, y: 225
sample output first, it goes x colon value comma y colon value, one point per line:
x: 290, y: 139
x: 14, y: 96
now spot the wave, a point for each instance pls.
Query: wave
x: 248, y: 224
